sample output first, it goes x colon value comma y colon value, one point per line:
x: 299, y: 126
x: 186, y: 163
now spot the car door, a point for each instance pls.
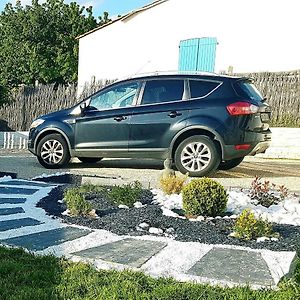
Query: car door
x: 103, y: 129
x: 161, y: 113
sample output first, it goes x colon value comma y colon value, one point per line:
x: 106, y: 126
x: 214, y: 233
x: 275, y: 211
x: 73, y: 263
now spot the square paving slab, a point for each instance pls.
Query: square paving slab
x: 12, y: 200
x: 129, y: 252
x: 42, y: 240
x: 11, y: 211
x: 237, y: 266
x: 14, y: 190
x: 24, y: 182
x: 18, y: 223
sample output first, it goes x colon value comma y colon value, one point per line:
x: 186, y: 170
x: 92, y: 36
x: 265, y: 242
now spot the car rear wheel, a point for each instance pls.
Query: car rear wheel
x: 197, y: 155
x: 89, y: 160
x: 230, y: 164
x: 53, y: 152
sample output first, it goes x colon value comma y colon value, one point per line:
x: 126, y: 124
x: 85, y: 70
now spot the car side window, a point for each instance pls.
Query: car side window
x: 116, y: 97
x: 157, y: 91
x: 201, y: 88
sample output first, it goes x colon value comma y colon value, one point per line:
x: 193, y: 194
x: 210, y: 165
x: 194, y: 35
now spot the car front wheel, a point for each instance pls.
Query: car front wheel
x: 197, y: 156
x: 53, y: 152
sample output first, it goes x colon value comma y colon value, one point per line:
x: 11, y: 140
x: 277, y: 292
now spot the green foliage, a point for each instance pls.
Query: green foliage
x: 266, y: 193
x: 26, y: 276
x: 248, y: 227
x: 76, y: 202
x: 204, y: 196
x: 126, y: 194
x: 38, y: 41
x: 4, y: 95
x: 172, y: 184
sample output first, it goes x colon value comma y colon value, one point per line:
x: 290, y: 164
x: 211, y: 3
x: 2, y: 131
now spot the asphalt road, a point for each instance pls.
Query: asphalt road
x: 115, y: 171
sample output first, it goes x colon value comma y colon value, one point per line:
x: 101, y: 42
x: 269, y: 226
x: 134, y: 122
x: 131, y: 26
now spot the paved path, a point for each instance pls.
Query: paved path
x: 23, y: 224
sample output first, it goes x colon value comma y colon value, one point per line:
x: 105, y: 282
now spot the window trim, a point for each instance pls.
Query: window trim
x: 205, y: 80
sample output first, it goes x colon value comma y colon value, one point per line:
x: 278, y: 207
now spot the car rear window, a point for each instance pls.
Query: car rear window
x: 246, y: 88
x: 201, y: 88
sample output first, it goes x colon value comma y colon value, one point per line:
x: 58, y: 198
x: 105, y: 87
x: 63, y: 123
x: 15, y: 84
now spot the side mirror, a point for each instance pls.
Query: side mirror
x: 82, y: 108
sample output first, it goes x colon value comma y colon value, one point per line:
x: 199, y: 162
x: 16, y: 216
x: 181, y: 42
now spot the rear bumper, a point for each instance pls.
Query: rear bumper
x: 260, y: 143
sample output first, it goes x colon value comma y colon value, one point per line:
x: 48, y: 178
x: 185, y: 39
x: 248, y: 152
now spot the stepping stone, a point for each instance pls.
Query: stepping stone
x: 13, y: 190
x: 236, y: 266
x: 12, y: 200
x: 42, y: 240
x: 11, y: 211
x: 24, y: 182
x: 129, y: 252
x: 18, y: 223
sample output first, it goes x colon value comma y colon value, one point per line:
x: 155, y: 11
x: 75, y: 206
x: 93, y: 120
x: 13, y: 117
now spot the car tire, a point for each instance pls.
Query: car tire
x: 230, y: 164
x: 89, y: 160
x: 53, y: 151
x: 197, y: 155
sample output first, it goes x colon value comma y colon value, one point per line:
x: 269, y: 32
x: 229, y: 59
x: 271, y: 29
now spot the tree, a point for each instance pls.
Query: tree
x: 38, y: 41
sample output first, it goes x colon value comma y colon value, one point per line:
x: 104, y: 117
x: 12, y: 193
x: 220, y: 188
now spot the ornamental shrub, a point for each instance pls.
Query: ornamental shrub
x: 126, y: 194
x: 172, y: 184
x: 76, y: 202
x: 204, y: 196
x: 248, y: 227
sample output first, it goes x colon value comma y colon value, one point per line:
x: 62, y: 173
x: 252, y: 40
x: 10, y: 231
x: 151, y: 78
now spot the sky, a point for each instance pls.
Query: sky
x: 113, y: 7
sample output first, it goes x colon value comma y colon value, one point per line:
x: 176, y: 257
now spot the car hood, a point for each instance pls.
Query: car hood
x: 57, y: 114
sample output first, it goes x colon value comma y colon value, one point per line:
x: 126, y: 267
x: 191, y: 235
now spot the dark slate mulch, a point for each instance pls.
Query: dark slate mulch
x: 125, y: 222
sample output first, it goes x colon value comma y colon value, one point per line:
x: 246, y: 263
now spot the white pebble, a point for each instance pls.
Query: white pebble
x: 155, y: 230
x: 144, y: 225
x: 262, y: 239
x: 138, y: 204
x: 123, y: 206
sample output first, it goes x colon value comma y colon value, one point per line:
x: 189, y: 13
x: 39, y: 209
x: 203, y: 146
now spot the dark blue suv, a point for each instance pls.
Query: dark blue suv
x: 199, y: 122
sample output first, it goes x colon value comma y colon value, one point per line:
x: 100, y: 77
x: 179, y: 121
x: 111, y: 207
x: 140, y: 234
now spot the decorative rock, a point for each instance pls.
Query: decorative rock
x: 226, y: 217
x: 170, y: 230
x: 218, y: 217
x: 144, y: 225
x: 273, y: 239
x: 233, y: 216
x: 60, y: 201
x: 138, y: 204
x: 66, y: 212
x: 123, y: 206
x: 200, y: 218
x: 232, y: 234
x: 155, y: 230
x: 209, y: 218
x: 262, y: 239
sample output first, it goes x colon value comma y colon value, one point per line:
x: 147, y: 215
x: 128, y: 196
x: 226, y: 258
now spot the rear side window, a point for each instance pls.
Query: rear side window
x: 246, y: 88
x: 200, y: 88
x: 158, y: 91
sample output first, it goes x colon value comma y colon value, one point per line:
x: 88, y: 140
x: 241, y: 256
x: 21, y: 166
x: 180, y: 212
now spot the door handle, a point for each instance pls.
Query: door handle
x: 119, y: 119
x: 174, y: 114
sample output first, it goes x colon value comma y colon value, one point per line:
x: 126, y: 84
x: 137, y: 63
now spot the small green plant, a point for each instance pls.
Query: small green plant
x: 266, y: 193
x: 126, y: 194
x: 172, y: 184
x: 204, y: 196
x: 248, y: 227
x: 76, y: 202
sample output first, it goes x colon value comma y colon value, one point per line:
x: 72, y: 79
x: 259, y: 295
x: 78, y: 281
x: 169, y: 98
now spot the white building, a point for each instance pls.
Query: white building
x: 256, y: 35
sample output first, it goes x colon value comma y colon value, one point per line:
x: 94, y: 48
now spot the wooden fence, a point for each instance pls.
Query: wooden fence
x: 281, y: 89
x: 30, y: 102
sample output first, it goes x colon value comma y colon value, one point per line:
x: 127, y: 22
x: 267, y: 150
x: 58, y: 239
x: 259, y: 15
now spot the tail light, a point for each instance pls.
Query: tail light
x: 242, y: 108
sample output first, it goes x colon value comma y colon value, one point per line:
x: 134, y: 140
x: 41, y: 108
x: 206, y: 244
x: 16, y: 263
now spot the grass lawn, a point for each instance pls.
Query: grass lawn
x: 29, y: 277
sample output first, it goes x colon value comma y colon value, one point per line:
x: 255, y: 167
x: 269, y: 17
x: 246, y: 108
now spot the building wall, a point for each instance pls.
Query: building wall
x: 253, y: 36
